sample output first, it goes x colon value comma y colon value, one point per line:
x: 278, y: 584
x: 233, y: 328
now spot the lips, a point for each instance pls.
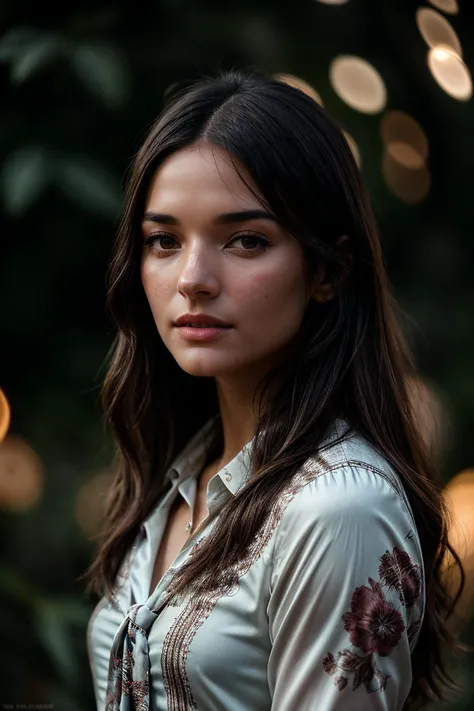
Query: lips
x: 202, y: 325
x: 198, y: 320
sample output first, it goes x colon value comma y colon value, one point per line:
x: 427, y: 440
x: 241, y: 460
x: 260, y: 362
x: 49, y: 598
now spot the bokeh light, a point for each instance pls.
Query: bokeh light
x: 300, y: 84
x: 90, y: 503
x: 450, y: 72
x: 406, y: 149
x: 333, y: 2
x: 410, y: 185
x: 436, y: 30
x: 459, y: 497
x: 450, y: 7
x: 358, y: 83
x: 404, y: 139
x: 21, y: 475
x: 4, y: 415
x: 405, y: 154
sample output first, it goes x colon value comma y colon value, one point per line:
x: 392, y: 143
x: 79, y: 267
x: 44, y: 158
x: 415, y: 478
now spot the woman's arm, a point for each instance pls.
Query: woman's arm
x: 346, y: 596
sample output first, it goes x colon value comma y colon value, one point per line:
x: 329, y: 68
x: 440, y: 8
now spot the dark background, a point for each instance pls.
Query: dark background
x: 80, y: 84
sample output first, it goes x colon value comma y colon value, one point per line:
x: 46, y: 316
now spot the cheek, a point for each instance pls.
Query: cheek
x: 154, y: 282
x: 254, y: 288
x: 281, y: 292
x: 146, y: 273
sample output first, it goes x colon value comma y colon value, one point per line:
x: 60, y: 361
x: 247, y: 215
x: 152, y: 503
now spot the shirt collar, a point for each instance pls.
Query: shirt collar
x: 233, y: 475
x: 236, y: 473
x: 192, y: 459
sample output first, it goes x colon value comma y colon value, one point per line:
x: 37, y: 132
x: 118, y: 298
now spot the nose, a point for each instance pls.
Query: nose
x: 198, y: 275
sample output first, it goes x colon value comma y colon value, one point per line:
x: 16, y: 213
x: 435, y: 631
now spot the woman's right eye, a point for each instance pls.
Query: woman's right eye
x: 157, y: 237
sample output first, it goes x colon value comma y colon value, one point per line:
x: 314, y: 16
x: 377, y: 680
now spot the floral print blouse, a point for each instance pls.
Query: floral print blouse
x: 322, y: 614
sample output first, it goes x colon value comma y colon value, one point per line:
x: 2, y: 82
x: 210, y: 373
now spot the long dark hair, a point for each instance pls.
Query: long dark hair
x: 349, y: 358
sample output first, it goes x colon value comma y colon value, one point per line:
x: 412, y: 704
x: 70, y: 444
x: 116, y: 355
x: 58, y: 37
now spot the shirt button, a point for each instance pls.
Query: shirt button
x: 228, y: 476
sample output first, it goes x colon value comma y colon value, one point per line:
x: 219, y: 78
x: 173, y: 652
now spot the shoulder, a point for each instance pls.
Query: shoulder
x: 344, y: 518
x: 346, y: 559
x: 348, y: 482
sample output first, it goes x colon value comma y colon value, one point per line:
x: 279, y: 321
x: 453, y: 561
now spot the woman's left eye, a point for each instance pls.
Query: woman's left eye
x: 253, y: 237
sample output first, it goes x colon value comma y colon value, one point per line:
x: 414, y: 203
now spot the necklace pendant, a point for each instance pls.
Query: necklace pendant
x: 189, y: 525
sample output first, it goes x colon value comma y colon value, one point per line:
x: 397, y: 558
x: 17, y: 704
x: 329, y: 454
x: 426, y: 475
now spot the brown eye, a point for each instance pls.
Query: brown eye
x: 158, y: 238
x: 262, y: 242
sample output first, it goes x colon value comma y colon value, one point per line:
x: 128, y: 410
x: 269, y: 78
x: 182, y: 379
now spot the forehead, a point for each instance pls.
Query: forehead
x: 199, y: 176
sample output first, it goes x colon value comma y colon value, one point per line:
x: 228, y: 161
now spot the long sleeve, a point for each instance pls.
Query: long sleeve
x: 346, y: 597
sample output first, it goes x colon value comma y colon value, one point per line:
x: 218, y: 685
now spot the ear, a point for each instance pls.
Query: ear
x: 324, y: 289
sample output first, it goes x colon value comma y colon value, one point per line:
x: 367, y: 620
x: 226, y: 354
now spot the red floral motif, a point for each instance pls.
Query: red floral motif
x: 340, y: 681
x: 373, y: 623
x: 398, y: 571
x: 364, y: 669
x: 329, y: 663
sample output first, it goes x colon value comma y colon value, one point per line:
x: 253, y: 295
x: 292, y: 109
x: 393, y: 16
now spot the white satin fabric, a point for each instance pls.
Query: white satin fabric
x: 323, y: 618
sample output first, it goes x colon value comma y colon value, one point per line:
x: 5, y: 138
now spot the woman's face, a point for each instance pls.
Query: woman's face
x: 210, y: 248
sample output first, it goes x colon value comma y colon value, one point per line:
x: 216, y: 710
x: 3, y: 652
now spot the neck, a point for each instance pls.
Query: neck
x: 236, y: 405
x: 238, y: 421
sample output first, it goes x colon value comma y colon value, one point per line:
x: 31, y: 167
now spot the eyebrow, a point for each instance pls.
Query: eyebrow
x: 224, y: 219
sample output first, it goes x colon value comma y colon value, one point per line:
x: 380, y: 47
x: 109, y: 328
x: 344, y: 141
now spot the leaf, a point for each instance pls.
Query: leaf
x: 23, y: 177
x: 54, y: 637
x: 349, y: 661
x: 341, y: 682
x: 36, y: 54
x: 377, y: 681
x: 364, y: 674
x: 102, y: 70
x: 13, y: 584
x: 72, y: 610
x: 89, y: 185
x: 16, y: 41
x: 329, y: 663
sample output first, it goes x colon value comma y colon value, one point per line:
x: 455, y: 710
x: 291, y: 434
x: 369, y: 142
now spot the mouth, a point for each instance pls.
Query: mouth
x: 203, y: 332
x: 201, y: 325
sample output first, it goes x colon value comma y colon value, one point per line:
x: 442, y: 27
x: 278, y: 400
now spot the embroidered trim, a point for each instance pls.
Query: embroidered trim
x: 180, y: 635
x: 184, y: 628
x: 391, y: 481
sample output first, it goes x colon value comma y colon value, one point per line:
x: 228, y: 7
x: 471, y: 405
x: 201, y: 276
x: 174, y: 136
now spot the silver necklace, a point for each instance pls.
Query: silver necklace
x: 189, y: 524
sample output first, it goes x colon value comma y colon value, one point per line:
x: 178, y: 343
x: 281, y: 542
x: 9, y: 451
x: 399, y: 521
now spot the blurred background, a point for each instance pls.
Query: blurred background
x: 81, y: 82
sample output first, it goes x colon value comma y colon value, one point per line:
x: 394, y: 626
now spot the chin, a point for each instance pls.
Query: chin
x: 207, y: 367
x: 201, y: 371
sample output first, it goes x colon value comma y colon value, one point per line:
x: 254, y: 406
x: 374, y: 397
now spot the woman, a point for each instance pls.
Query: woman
x: 274, y: 536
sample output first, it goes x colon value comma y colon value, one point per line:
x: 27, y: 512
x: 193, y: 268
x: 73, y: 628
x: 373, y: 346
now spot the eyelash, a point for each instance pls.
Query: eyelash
x: 264, y: 243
